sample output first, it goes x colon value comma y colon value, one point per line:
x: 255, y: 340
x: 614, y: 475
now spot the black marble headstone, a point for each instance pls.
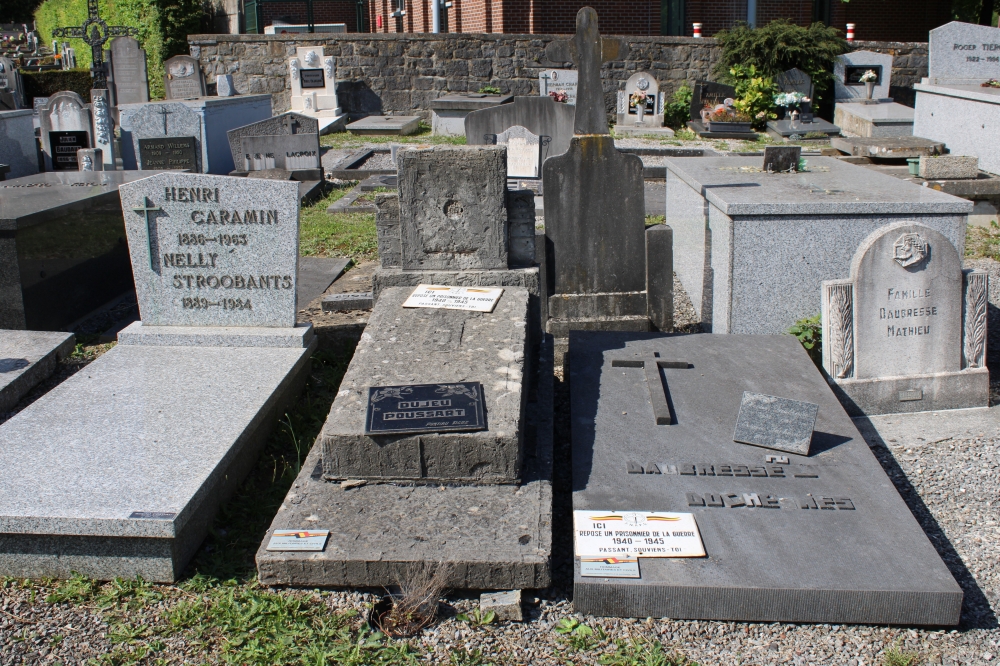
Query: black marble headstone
x: 64, y: 147
x: 397, y: 410
x: 312, y: 78
x: 711, y: 93
x: 172, y: 152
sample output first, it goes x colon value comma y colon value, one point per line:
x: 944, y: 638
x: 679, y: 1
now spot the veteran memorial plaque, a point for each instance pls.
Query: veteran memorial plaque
x: 169, y: 153
x: 632, y: 534
x: 298, y: 540
x: 397, y: 410
x: 213, y: 250
x: 787, y: 537
x: 476, y: 299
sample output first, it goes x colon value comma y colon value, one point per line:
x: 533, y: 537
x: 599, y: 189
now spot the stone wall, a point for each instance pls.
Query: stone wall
x: 402, y: 73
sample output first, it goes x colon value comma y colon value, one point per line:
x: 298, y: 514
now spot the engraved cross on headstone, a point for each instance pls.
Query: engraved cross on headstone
x: 652, y: 363
x: 146, y: 209
x: 291, y: 123
x: 163, y: 112
x: 588, y: 50
x: 95, y: 32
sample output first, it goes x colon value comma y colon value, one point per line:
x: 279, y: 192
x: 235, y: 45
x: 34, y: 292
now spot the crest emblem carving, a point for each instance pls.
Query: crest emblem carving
x: 642, y: 84
x: 910, y: 250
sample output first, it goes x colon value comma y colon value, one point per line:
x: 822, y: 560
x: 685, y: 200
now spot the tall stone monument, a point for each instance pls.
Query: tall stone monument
x: 313, y: 78
x: 907, y: 331
x: 129, y: 79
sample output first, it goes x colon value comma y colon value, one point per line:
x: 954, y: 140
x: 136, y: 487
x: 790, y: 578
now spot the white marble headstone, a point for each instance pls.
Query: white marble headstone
x: 213, y: 250
x: 850, y: 66
x: 313, y: 79
x: 558, y: 80
x: 65, y: 112
x: 523, y: 152
x: 964, y: 53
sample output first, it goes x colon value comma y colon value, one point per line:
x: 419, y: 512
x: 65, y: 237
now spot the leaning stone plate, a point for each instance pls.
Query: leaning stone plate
x: 775, y: 423
x: 396, y: 410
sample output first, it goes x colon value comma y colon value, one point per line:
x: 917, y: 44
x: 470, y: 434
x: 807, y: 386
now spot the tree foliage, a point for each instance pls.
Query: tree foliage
x: 780, y: 46
x: 17, y: 11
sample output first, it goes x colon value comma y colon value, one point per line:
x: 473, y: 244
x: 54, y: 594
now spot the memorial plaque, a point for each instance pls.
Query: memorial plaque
x: 853, y: 74
x: 64, y: 147
x: 298, y: 540
x: 634, y: 534
x: 776, y: 423
x: 559, y: 81
x: 289, y: 151
x: 794, y: 80
x: 417, y: 408
x: 477, y: 299
x: 782, y: 158
x: 182, y: 78
x: 128, y: 71
x: 313, y: 78
x: 174, y: 152
x: 213, y: 250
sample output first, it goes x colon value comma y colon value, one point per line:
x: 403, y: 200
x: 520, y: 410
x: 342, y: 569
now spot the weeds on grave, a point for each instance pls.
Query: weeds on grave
x: 577, y: 635
x: 895, y: 655
x: 463, y: 657
x: 685, y: 134
x: 489, y: 90
x: 643, y: 652
x: 983, y: 242
x: 809, y: 331
x: 652, y: 220
x: 477, y: 618
x: 416, y: 605
x: 422, y: 135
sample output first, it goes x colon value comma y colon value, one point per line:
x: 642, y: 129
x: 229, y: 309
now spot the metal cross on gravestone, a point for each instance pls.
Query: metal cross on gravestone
x: 588, y: 51
x: 96, y: 32
x: 146, y: 209
x: 652, y: 363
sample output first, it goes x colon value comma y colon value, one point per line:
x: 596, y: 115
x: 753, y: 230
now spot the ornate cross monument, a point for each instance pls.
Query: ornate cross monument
x: 96, y: 32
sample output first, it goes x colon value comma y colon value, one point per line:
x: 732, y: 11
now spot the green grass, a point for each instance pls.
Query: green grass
x: 655, y: 219
x: 983, y: 242
x: 423, y: 135
x: 895, y: 655
x: 342, y: 235
x: 644, y: 652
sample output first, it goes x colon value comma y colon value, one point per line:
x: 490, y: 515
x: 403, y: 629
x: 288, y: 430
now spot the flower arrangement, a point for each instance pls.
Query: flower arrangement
x: 559, y: 96
x: 869, y: 76
x: 637, y: 98
x: 724, y: 114
x: 992, y: 83
x: 791, y: 99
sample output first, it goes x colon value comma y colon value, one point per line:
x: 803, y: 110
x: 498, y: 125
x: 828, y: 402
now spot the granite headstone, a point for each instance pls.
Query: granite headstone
x: 65, y: 128
x: 283, y: 124
x: 183, y: 78
x: 963, y: 53
x: 652, y: 105
x: 710, y: 94
x: 850, y: 67
x: 163, y: 121
x: 794, y: 80
x: 289, y: 152
x: 128, y: 71
x: 559, y: 81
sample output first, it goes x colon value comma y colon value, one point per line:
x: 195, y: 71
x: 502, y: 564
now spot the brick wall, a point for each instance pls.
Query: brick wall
x: 323, y: 12
x: 403, y: 73
x: 897, y: 20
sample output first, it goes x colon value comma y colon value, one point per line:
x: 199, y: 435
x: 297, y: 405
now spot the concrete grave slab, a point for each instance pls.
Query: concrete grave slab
x: 385, y: 125
x: 874, y: 120
x: 949, y: 167
x: 542, y: 116
x: 824, y: 538
x: 893, y: 148
x: 26, y: 359
x: 448, y: 112
x: 786, y: 129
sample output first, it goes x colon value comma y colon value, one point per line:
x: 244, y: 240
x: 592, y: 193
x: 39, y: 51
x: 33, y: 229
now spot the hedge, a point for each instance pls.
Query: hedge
x: 48, y: 82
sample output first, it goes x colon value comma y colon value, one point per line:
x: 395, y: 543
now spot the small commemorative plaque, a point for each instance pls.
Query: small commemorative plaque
x: 475, y: 299
x: 609, y: 567
x: 626, y: 535
x: 312, y: 78
x: 400, y: 410
x: 776, y: 423
x: 292, y: 540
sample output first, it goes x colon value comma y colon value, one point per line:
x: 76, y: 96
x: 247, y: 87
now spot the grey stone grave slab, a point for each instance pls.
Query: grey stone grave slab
x: 524, y: 152
x: 847, y: 71
x: 949, y: 167
x: 183, y: 78
x: 559, y: 81
x: 213, y: 250
x: 774, y: 422
x: 346, y: 302
x: 127, y: 64
x: 887, y: 148
x: 906, y: 332
x: 69, y: 117
x: 458, y: 222
x: 48, y: 277
x: 456, y: 346
x: 11, y: 86
x: 963, y: 53
x: 290, y: 152
x: 283, y: 124
x: 385, y: 125
x: 539, y: 115
x: 822, y: 539
x: 495, y: 537
x: 786, y: 128
x: 782, y: 158
x: 207, y: 119
x: 169, y: 153
x: 316, y: 274
x: 722, y: 208
x: 448, y: 112
x: 26, y: 359
x: 17, y: 143
x: 874, y: 120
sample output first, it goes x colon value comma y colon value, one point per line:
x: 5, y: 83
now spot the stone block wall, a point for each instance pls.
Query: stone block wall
x: 403, y: 73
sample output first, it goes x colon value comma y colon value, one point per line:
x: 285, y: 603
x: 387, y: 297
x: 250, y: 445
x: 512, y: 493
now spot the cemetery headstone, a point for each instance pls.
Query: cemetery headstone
x: 11, y: 86
x: 963, y: 53
x: 559, y: 84
x: 17, y: 143
x: 128, y: 71
x: 907, y: 331
x: 850, y: 67
x: 285, y: 124
x: 169, y: 153
x: 539, y: 115
x: 834, y: 505
x: 706, y: 96
x: 524, y: 152
x: 288, y: 152
x: 224, y: 86
x: 66, y: 127
x: 183, y: 78
x: 644, y: 85
x: 313, y: 81
x: 152, y: 127
x: 782, y: 158
x: 795, y: 80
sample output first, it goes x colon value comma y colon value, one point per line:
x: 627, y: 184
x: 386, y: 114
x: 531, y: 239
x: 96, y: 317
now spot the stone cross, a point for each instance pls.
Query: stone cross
x: 95, y: 32
x: 291, y: 124
x: 146, y: 209
x: 588, y: 50
x: 657, y: 389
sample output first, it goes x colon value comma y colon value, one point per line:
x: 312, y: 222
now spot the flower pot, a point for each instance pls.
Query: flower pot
x: 913, y: 164
x: 870, y: 88
x: 715, y: 126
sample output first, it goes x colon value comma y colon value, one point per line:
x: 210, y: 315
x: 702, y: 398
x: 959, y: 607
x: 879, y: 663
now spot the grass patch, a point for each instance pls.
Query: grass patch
x: 983, y: 242
x: 655, y: 219
x: 341, y: 235
x: 422, y: 135
x: 895, y: 655
x: 644, y: 652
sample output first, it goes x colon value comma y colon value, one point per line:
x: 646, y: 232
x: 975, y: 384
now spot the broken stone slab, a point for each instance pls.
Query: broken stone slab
x: 887, y: 148
x: 349, y: 301
x: 26, y: 359
x: 506, y: 605
x: 495, y: 537
x: 949, y: 167
x: 403, y: 346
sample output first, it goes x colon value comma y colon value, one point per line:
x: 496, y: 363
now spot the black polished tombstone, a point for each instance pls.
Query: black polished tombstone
x: 62, y: 247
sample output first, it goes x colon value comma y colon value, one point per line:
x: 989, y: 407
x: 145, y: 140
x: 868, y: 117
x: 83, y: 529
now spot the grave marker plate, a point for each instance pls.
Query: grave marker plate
x: 559, y: 81
x: 298, y: 540
x: 775, y: 423
x: 782, y: 158
x: 476, y: 299
x: 64, y: 147
x: 128, y: 67
x: 312, y: 78
x: 609, y: 567
x: 632, y: 534
x: 176, y: 152
x: 213, y: 250
x: 417, y: 408
x: 794, y: 80
x: 182, y: 78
